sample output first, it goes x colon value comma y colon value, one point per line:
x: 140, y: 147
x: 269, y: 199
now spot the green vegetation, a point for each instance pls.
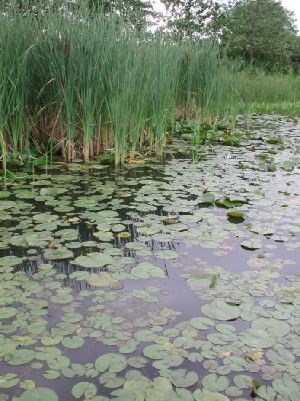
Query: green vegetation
x: 75, y: 82
x: 259, y: 31
x: 83, y: 87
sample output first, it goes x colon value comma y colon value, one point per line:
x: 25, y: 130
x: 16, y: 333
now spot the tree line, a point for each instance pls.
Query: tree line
x: 259, y: 32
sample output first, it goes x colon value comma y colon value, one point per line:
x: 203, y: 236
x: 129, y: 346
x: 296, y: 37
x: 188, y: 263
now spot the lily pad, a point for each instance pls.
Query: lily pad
x: 111, y: 362
x: 38, y: 394
x: 94, y: 260
x: 147, y: 270
x: 86, y: 389
x: 58, y: 254
x: 220, y: 310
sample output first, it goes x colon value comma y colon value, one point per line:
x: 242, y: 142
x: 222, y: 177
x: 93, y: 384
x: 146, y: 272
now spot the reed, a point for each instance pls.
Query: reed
x: 79, y: 83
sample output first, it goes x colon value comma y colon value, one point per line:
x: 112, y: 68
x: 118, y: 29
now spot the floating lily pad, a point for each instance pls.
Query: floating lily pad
x: 7, y: 312
x: 9, y: 380
x: 20, y: 357
x: 102, y: 279
x: 147, y: 270
x: 38, y: 394
x: 251, y: 245
x: 111, y: 362
x: 58, y: 254
x: 94, y: 260
x: 86, y: 389
x: 220, y: 310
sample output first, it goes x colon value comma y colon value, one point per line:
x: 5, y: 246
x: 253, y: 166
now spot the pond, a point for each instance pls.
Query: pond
x: 163, y: 282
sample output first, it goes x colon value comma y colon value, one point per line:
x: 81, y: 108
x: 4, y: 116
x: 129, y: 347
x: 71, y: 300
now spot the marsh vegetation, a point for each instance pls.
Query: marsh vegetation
x: 74, y: 84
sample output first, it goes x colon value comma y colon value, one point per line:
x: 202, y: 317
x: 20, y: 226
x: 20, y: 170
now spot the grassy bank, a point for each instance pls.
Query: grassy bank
x: 76, y: 85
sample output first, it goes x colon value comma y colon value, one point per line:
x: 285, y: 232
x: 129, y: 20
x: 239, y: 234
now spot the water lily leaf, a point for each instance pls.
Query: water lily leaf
x: 266, y: 393
x: 117, y: 228
x: 38, y: 394
x: 166, y: 254
x: 287, y: 387
x: 147, y: 270
x: 179, y: 394
x: 68, y: 234
x: 73, y: 342
x: 158, y: 388
x: 235, y: 214
x: 274, y: 327
x: 86, y: 389
x: 201, y: 323
x: 251, y: 245
x: 102, y: 279
x: 94, y: 260
x: 62, y: 297
x: 215, y: 383
x: 31, y: 239
x: 72, y: 317
x: 58, y: 253
x: 154, y: 351
x: 111, y: 380
x: 220, y: 310
x: 51, y: 339
x: 9, y: 380
x: 243, y: 381
x: 51, y: 374
x: 20, y: 357
x: 112, y: 362
x: 105, y: 236
x: 205, y: 395
x: 10, y: 261
x: 180, y: 377
x: 257, y: 338
x: 124, y: 395
x: 7, y: 312
x: 136, y: 362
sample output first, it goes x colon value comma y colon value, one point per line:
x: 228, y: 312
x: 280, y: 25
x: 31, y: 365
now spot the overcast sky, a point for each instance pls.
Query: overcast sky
x: 293, y: 5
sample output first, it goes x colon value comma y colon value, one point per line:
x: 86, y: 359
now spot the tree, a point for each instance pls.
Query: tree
x: 259, y: 31
x: 191, y: 18
x: 134, y: 12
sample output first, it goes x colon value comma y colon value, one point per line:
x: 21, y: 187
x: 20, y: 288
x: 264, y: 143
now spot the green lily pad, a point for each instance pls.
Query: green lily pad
x: 7, y: 312
x: 73, y: 342
x: 20, y: 357
x: 86, y: 389
x: 220, y: 310
x: 10, y: 261
x: 235, y: 214
x: 58, y: 254
x: 112, y: 362
x: 206, y: 395
x: 9, y: 380
x: 146, y: 270
x: 94, y: 260
x: 274, y: 327
x: 102, y: 279
x: 215, y: 383
x: 38, y: 394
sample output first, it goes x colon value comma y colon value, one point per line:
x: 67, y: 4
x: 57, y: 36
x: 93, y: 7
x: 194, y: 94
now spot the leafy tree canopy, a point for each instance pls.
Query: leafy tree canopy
x: 192, y: 18
x: 259, y: 31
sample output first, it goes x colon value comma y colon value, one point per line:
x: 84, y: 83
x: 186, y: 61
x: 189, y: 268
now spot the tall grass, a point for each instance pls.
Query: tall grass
x: 81, y: 83
x: 255, y: 85
x: 88, y: 82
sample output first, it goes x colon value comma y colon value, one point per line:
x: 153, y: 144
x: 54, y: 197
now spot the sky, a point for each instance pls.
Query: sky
x: 292, y: 5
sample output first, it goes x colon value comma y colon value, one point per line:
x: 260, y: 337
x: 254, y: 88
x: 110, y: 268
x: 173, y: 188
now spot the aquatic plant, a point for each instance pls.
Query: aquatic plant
x: 76, y: 84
